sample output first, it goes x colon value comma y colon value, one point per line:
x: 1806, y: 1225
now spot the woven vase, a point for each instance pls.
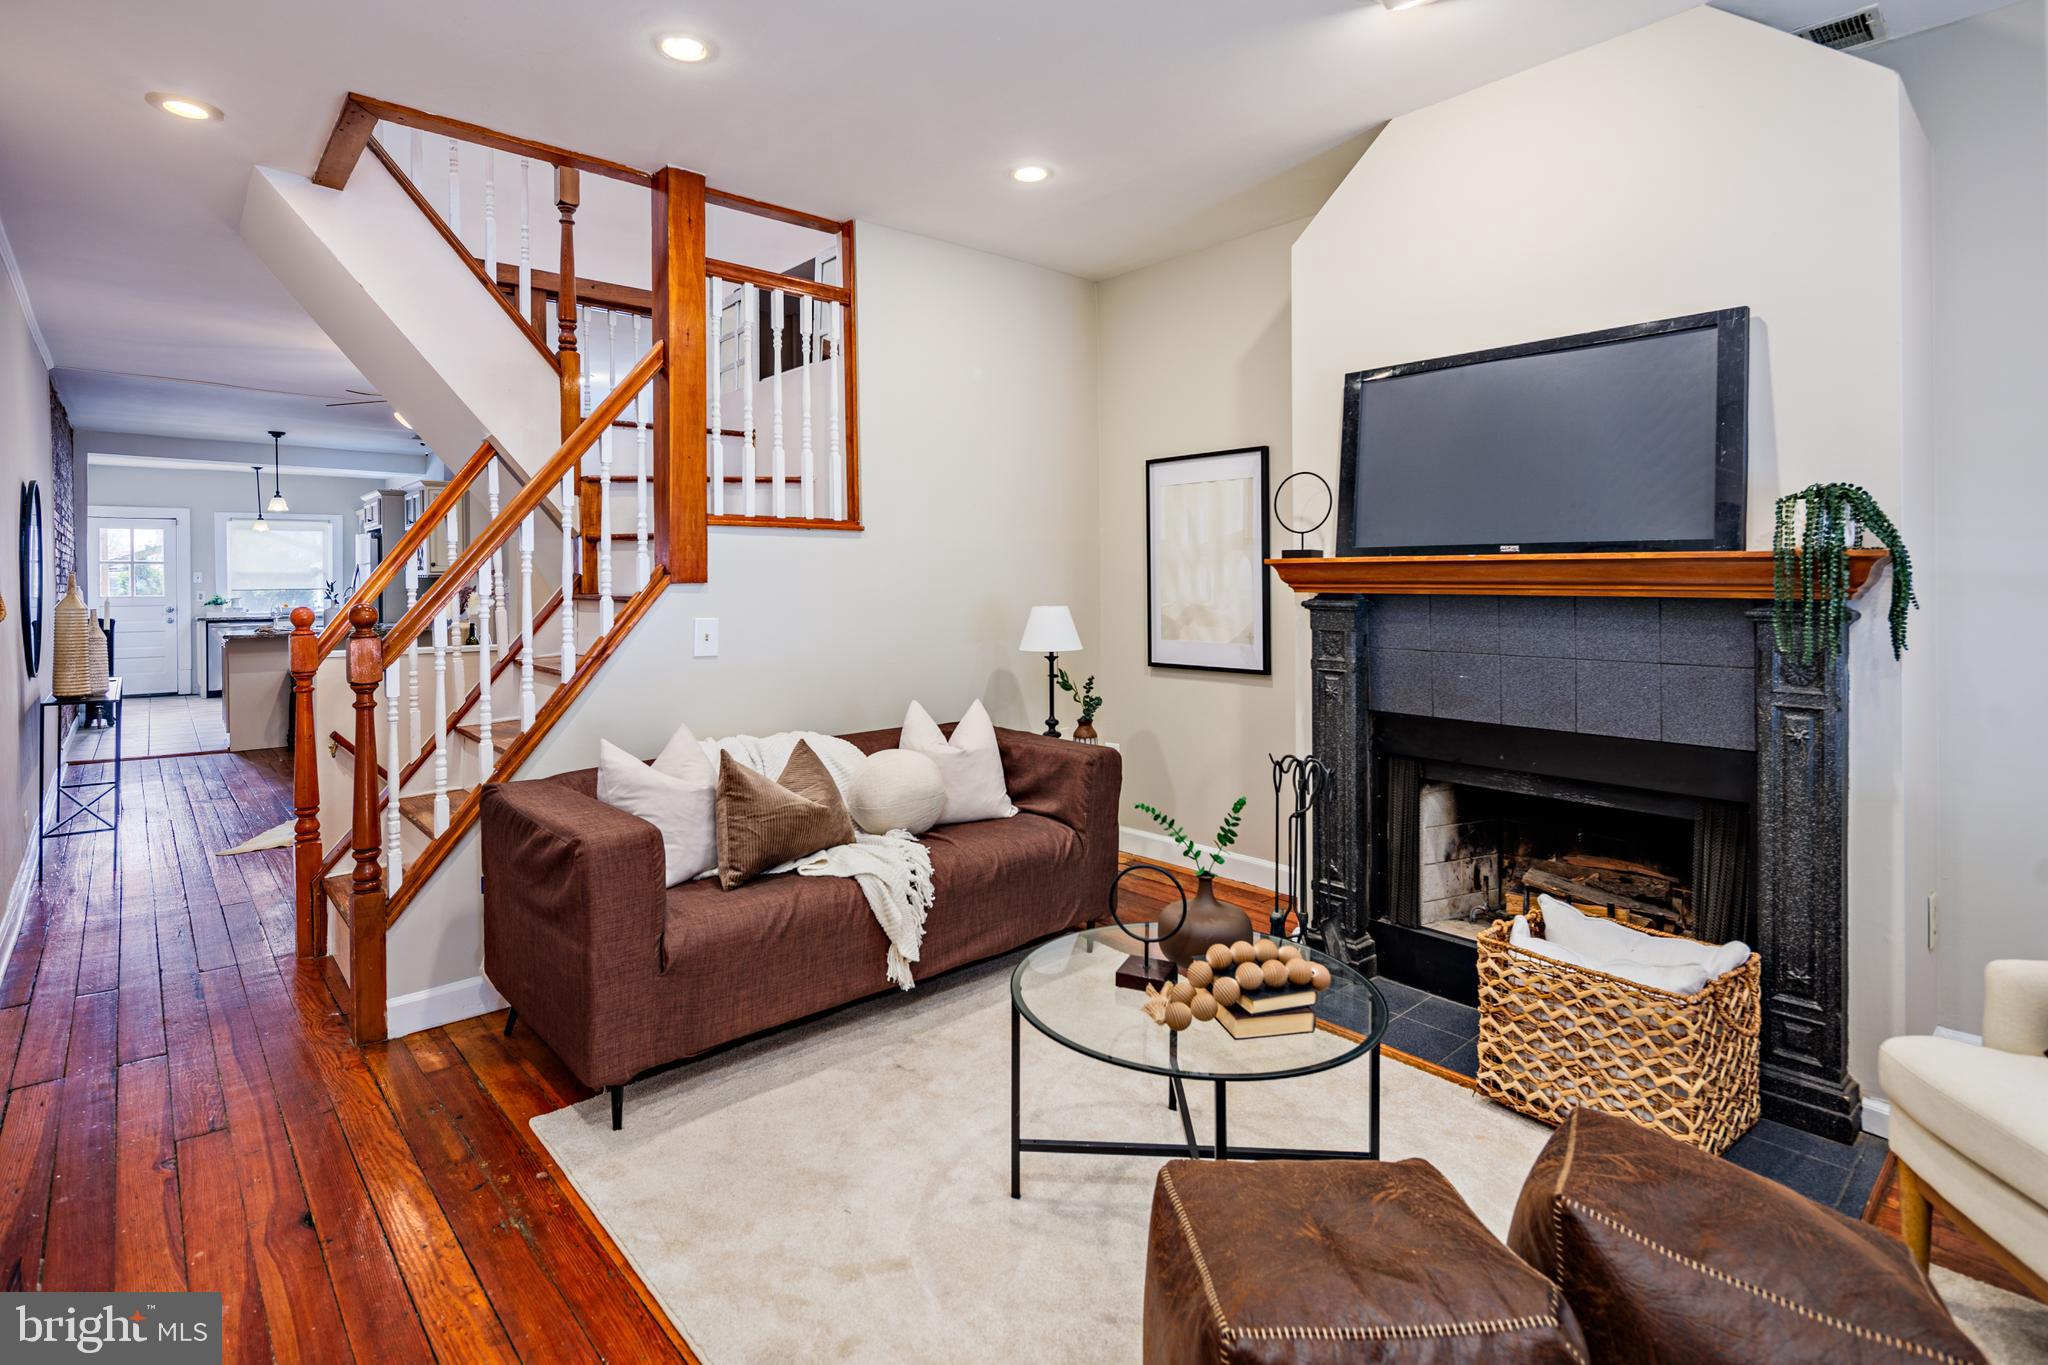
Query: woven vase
x: 98, y: 666
x: 71, y: 646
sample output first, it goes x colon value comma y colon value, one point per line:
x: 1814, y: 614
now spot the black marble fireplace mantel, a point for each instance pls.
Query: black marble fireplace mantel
x: 1704, y: 676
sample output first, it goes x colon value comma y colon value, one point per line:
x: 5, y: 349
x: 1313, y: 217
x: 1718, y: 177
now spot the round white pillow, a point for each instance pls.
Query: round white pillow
x: 896, y: 789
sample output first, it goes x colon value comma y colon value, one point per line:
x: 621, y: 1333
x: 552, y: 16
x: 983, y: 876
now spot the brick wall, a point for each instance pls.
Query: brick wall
x: 61, y: 508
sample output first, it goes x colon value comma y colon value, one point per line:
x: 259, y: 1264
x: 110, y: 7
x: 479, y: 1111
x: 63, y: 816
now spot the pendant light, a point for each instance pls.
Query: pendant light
x: 277, y: 502
x: 261, y: 527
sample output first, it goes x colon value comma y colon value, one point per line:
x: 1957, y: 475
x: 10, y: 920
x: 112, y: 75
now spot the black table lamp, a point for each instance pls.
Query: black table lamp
x: 1050, y: 631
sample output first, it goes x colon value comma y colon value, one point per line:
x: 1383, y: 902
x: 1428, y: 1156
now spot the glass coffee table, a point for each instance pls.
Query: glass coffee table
x: 1066, y: 988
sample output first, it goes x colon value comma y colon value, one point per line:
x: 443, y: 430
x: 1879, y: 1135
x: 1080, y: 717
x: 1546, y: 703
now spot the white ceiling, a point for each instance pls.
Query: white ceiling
x: 1170, y: 124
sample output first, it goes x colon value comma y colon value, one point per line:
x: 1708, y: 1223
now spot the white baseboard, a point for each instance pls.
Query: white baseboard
x: 16, y: 910
x: 1973, y: 1039
x: 1154, y: 847
x: 1877, y: 1117
x: 438, y: 1005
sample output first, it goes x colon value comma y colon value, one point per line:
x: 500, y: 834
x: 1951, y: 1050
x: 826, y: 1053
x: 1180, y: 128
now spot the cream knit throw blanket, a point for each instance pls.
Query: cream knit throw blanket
x: 894, y: 870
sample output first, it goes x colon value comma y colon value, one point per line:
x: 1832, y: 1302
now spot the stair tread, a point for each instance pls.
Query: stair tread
x: 420, y: 809
x: 475, y: 733
x: 548, y: 663
x: 592, y: 597
x: 337, y: 889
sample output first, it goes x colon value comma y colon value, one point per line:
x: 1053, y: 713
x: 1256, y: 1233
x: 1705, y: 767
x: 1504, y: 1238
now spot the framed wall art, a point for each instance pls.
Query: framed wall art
x: 1206, y: 599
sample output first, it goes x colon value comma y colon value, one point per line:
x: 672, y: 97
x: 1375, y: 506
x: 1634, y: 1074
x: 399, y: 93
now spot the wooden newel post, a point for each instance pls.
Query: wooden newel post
x: 310, y: 907
x: 681, y: 403
x: 568, y: 195
x: 366, y: 892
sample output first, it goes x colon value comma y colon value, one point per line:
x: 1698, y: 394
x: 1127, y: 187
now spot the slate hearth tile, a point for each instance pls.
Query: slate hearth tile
x: 1461, y: 1021
x: 1464, y: 1059
x: 1621, y: 699
x: 1541, y: 694
x: 1399, y: 680
x: 1710, y: 706
x: 1398, y: 623
x: 1466, y: 687
x: 1616, y: 628
x: 1706, y: 633
x: 1824, y: 1150
x: 1421, y: 1041
x: 1469, y: 625
x: 1816, y: 1180
x: 1400, y: 996
x: 1538, y: 627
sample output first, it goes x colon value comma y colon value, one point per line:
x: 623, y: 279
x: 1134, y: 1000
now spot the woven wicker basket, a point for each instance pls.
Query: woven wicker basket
x: 1553, y: 1037
x: 71, y: 670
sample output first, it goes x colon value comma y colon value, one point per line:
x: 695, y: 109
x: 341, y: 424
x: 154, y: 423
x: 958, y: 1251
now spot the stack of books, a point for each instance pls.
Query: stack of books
x: 1269, y: 1014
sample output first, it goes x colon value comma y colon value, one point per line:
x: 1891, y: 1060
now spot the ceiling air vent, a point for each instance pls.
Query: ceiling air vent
x: 1856, y: 30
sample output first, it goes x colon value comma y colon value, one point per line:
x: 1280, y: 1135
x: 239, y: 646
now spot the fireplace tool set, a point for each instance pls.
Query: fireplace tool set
x: 1298, y: 780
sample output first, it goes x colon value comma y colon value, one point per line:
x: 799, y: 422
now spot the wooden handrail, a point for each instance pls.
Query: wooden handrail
x: 769, y: 279
x: 415, y: 536
x: 760, y: 208
x: 360, y: 115
x: 366, y: 917
x: 431, y: 602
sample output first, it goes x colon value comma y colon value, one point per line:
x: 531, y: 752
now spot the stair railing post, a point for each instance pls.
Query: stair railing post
x: 366, y: 892
x: 311, y: 906
x: 568, y: 195
x: 681, y: 403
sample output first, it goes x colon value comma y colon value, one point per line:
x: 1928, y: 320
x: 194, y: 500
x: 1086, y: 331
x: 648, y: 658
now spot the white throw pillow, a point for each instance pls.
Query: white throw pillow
x: 1606, y: 940
x: 897, y: 789
x: 680, y: 807
x: 1680, y: 979
x: 970, y: 764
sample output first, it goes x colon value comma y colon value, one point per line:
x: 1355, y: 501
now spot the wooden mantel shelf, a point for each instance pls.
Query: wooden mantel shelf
x: 1740, y: 574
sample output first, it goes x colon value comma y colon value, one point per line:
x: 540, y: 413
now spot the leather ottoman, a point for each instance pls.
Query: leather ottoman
x: 1320, y: 1261
x: 1669, y: 1254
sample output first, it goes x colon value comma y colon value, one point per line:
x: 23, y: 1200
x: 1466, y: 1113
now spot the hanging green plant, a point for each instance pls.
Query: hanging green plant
x: 1816, y: 529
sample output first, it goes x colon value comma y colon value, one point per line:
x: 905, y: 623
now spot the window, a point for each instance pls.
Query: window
x: 288, y: 565
x: 131, y: 560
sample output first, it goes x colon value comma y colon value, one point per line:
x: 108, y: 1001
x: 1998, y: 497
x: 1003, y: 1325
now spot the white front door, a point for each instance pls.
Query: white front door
x: 137, y: 571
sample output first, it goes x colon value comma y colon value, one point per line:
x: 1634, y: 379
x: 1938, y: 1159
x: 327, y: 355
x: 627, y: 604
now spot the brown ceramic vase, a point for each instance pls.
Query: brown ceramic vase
x: 1209, y: 921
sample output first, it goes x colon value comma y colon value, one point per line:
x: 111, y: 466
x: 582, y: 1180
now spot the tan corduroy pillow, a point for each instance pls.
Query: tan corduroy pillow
x: 763, y: 824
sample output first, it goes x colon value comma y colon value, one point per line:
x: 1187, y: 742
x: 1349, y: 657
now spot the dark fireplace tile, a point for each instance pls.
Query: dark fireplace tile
x: 1400, y: 996
x: 1538, y: 627
x: 1541, y: 694
x: 1709, y: 705
x: 1400, y: 680
x: 1467, y: 687
x: 1463, y: 1059
x: 1617, y: 628
x: 1398, y: 623
x: 1420, y: 1041
x: 1617, y: 698
x: 1707, y: 633
x: 1460, y: 1021
x: 1468, y: 625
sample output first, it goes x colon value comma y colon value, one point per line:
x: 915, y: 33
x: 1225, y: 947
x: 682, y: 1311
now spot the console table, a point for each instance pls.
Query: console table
x: 85, y: 815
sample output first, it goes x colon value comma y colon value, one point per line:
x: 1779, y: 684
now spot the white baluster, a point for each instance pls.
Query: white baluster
x: 746, y: 338
x: 837, y: 450
x: 604, y: 481
x: 455, y: 188
x: 714, y: 447
x: 806, y: 342
x: 495, y: 603
x: 642, y: 419
x: 568, y: 575
x: 394, y: 847
x: 441, y: 736
x: 487, y: 758
x: 526, y: 641
x: 412, y: 654
x: 525, y: 237
x: 776, y: 457
x: 455, y: 664
x: 491, y: 217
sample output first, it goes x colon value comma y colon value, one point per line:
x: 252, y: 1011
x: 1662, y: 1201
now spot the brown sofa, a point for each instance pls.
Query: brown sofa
x: 619, y: 974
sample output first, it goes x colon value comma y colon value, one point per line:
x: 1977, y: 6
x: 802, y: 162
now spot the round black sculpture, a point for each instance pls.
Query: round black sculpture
x: 1302, y: 551
x: 32, y: 576
x: 1144, y: 969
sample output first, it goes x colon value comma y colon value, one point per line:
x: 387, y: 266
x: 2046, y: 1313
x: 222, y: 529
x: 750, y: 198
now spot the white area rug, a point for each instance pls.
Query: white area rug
x: 841, y: 1192
x: 277, y: 836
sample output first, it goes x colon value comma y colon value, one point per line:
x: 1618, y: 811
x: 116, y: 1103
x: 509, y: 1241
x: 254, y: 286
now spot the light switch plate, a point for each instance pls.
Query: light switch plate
x: 706, y: 637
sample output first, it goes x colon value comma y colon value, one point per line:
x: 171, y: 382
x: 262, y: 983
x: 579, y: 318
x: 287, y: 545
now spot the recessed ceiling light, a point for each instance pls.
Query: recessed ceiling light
x: 399, y: 417
x: 1030, y: 175
x: 178, y: 106
x: 681, y: 47
x: 1405, y: 4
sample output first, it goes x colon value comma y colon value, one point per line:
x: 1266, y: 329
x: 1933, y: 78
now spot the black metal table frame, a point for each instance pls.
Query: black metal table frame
x: 1176, y: 1099
x: 84, y: 810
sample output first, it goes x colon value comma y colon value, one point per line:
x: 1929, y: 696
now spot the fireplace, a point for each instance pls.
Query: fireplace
x: 1654, y: 759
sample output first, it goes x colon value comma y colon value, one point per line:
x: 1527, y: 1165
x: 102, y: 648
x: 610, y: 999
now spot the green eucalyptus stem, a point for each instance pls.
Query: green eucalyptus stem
x: 1206, y: 863
x: 1815, y: 530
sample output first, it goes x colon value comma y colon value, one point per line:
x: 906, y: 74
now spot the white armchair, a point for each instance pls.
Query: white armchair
x: 1970, y: 1126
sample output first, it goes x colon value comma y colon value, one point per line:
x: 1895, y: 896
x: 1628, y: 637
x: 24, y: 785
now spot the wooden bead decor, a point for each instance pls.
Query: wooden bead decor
x: 1180, y: 992
x: 1226, y: 990
x: 1204, y: 1005
x: 1250, y: 976
x: 1264, y: 951
x: 1242, y: 952
x: 1318, y: 976
x: 1219, y: 958
x: 1275, y: 973
x: 1200, y: 974
x: 1300, y: 971
x: 1289, y: 952
x: 1178, y: 1015
x: 1226, y: 975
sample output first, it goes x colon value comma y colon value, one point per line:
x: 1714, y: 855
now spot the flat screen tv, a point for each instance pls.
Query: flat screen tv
x: 1631, y: 439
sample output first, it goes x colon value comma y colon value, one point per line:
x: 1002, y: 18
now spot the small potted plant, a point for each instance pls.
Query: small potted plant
x: 1089, y: 703
x: 1208, y: 920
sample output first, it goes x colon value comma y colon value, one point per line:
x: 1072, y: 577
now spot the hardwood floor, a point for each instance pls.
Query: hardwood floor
x: 184, y: 1109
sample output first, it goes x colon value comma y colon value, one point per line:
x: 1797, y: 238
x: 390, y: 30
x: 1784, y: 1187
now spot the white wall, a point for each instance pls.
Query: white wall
x: 1194, y: 356
x: 1702, y: 163
x: 24, y: 454
x: 978, y: 489
x: 1981, y: 90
